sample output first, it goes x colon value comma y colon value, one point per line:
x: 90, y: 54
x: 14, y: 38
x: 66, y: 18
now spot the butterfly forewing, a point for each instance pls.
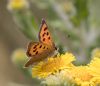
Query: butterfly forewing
x: 44, y: 35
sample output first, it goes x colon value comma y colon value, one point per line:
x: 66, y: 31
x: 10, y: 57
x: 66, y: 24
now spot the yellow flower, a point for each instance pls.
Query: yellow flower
x: 73, y: 76
x: 60, y: 71
x: 53, y: 65
x: 94, y: 68
x: 19, y: 57
x: 17, y: 4
x: 83, y: 77
x: 96, y: 53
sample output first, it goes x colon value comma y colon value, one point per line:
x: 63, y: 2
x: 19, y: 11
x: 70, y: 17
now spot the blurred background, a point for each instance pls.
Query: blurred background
x: 74, y: 25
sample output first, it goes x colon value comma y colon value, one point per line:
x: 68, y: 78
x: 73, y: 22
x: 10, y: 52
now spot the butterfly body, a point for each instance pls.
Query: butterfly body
x: 38, y: 51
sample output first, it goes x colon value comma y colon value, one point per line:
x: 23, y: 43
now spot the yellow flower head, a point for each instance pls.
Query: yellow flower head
x: 94, y: 68
x: 19, y: 57
x: 17, y: 4
x: 53, y: 65
x: 96, y: 53
x: 83, y: 77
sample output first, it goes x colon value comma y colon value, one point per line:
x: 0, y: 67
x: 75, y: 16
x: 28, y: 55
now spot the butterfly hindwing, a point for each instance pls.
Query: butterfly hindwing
x: 44, y: 35
x: 35, y: 48
x: 37, y: 58
x: 37, y: 51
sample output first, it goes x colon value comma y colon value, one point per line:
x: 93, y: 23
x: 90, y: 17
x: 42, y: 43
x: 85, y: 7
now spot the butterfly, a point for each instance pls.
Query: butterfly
x: 38, y: 51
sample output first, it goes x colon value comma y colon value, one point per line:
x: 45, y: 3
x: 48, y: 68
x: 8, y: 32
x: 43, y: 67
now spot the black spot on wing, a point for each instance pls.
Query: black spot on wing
x: 49, y: 37
x: 36, y: 52
x: 43, y: 39
x: 28, y: 54
x: 34, y: 46
x: 44, y: 47
x: 43, y: 34
x: 40, y: 46
x: 47, y: 33
x: 45, y: 28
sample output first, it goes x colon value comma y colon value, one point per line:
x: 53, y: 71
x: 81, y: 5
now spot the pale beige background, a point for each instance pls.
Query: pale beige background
x: 10, y: 39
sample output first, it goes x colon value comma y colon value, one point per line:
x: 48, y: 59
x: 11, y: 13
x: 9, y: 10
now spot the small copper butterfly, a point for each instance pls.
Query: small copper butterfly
x: 38, y: 51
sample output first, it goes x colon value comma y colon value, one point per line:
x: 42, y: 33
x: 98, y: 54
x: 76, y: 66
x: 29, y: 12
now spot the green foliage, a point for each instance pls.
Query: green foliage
x: 81, y: 11
x: 27, y: 24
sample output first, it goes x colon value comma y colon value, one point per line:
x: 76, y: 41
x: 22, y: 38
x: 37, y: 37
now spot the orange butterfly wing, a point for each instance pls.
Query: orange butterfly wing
x: 37, y: 51
x: 44, y: 34
x: 35, y: 48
